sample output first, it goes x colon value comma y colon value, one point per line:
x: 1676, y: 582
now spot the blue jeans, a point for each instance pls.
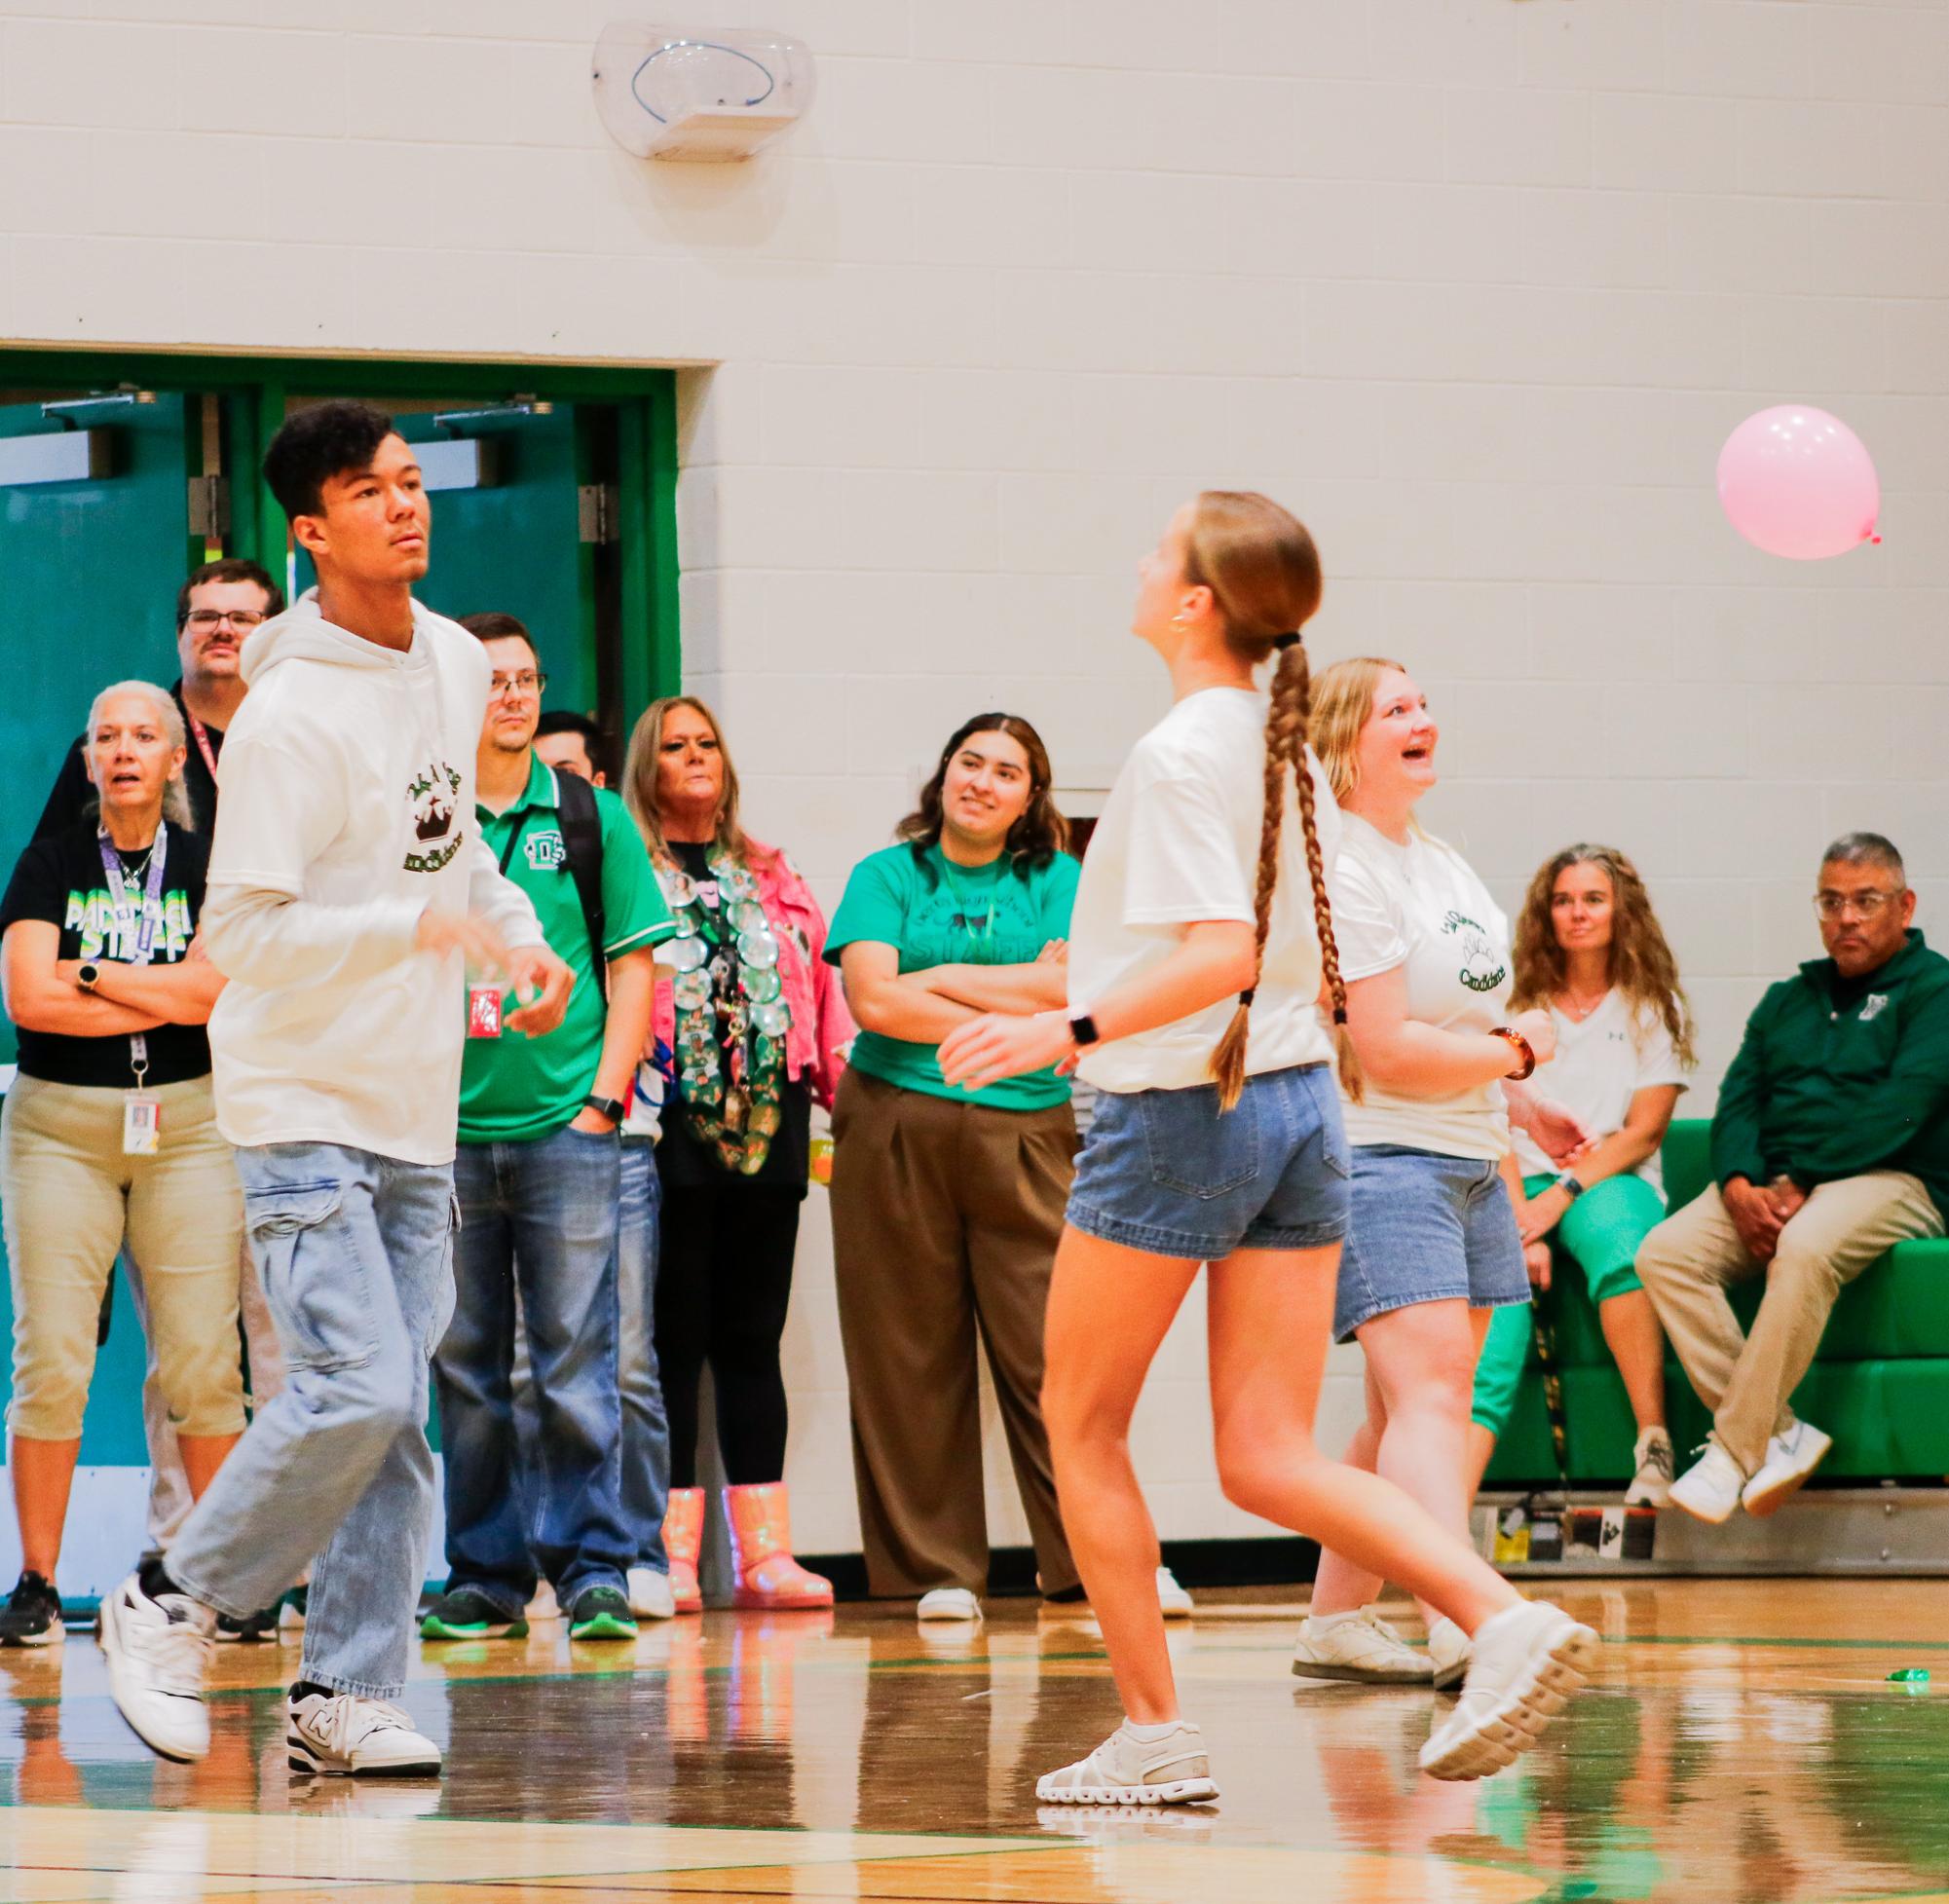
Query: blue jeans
x: 356, y: 1252
x: 542, y: 1212
x: 645, y: 1427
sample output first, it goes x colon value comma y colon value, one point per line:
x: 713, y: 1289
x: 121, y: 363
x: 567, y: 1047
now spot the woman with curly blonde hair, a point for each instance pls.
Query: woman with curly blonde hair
x: 1590, y: 951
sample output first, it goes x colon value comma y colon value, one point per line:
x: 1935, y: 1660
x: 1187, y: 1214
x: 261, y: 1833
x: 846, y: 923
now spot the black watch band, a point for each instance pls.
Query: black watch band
x: 1083, y: 1028
x: 611, y: 1108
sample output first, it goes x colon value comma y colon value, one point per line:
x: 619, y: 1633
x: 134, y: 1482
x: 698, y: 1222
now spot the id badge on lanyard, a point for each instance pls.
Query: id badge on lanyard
x: 141, y: 1112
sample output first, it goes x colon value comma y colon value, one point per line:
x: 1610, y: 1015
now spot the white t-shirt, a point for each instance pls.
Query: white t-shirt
x: 1600, y: 1066
x: 1421, y: 907
x: 1178, y: 842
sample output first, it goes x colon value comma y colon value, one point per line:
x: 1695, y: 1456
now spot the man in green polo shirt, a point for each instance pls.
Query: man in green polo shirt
x: 537, y: 1178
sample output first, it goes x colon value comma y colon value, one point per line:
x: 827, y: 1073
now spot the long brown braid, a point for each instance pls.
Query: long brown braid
x: 1263, y: 573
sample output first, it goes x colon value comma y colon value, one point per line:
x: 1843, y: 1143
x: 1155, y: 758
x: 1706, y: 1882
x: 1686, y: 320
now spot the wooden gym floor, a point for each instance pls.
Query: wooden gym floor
x: 1743, y: 1743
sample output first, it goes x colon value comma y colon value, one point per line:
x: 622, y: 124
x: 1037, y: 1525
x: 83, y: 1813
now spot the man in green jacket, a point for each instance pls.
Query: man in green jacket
x: 1829, y: 1146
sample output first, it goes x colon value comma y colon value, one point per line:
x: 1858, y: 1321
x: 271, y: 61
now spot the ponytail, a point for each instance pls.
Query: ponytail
x: 1286, y: 725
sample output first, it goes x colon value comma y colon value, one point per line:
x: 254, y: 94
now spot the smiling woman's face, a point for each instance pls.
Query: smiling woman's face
x: 1396, y: 750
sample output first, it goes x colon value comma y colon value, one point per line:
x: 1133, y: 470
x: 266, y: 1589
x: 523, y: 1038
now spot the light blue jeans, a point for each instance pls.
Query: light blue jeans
x: 356, y: 1256
x: 645, y: 1427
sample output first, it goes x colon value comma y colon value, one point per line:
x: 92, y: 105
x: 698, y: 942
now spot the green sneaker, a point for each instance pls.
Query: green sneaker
x: 466, y: 1612
x: 601, y: 1613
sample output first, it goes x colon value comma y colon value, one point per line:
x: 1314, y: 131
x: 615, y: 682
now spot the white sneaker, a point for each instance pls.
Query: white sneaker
x: 1172, y: 1599
x: 1125, y: 1771
x: 543, y: 1605
x: 1449, y: 1654
x: 649, y: 1595
x: 1528, y: 1660
x: 1651, y: 1485
x: 158, y: 1653
x: 948, y: 1603
x: 1358, y: 1646
x: 1789, y: 1459
x: 1709, y: 1489
x: 343, y: 1733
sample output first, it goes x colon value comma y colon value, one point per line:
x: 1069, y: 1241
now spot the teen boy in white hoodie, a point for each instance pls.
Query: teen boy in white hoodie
x: 349, y: 889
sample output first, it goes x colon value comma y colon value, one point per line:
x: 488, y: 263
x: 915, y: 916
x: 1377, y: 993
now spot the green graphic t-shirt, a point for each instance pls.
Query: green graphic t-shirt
x: 515, y: 1089
x: 934, y: 913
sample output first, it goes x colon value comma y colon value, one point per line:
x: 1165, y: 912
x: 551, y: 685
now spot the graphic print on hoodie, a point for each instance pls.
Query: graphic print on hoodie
x: 347, y: 812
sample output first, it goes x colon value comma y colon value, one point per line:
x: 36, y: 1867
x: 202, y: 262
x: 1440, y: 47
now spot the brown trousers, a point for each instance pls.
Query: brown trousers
x: 945, y: 1220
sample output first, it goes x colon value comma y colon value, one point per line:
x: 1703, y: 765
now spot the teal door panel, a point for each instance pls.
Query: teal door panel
x: 514, y: 545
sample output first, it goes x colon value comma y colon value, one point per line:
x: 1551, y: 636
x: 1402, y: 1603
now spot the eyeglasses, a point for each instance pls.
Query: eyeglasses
x: 524, y: 685
x: 203, y: 621
x: 1837, y: 905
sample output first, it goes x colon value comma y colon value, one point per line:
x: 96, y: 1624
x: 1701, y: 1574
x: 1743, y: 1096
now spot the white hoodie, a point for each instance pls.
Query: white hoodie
x: 347, y: 810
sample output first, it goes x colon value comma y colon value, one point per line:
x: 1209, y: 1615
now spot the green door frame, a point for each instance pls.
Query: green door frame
x: 647, y: 411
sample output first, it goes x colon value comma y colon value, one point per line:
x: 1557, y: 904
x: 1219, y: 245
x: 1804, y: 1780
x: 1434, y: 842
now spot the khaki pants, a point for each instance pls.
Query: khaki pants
x: 1691, y: 1257
x: 945, y: 1220
x: 70, y: 1200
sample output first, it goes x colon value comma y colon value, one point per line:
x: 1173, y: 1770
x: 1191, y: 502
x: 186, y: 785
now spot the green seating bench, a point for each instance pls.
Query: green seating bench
x: 1880, y: 1385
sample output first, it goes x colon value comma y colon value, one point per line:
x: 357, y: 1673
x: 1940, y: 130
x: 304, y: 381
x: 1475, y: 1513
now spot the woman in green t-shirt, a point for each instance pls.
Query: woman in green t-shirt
x: 946, y: 1204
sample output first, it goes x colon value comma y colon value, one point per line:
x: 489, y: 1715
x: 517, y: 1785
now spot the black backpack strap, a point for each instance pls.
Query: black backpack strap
x: 581, y: 843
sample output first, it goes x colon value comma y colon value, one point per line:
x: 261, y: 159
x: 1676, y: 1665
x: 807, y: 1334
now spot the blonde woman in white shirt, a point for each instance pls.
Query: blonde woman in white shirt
x: 1590, y: 949
x: 1433, y: 1245
x: 1200, y: 948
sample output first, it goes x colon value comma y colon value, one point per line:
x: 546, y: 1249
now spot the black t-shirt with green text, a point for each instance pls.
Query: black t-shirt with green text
x: 60, y: 878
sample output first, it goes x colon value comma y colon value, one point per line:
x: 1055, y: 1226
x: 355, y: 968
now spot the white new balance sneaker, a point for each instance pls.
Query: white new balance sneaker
x: 1358, y: 1646
x: 158, y: 1653
x: 1448, y: 1654
x: 1789, y: 1459
x: 1173, y: 1602
x: 343, y: 1733
x: 1527, y: 1661
x: 1651, y: 1485
x: 650, y: 1594
x: 1125, y: 1771
x: 1709, y: 1489
x: 948, y: 1603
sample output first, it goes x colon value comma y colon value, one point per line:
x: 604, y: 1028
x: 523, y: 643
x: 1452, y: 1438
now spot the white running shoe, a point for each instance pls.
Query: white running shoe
x: 1789, y: 1459
x: 1448, y: 1654
x: 1651, y: 1485
x: 1528, y: 1660
x: 1126, y: 1771
x: 1709, y: 1489
x: 948, y: 1603
x: 1358, y: 1646
x: 1172, y: 1599
x: 158, y: 1653
x: 651, y: 1596
x: 343, y: 1733
x: 543, y: 1605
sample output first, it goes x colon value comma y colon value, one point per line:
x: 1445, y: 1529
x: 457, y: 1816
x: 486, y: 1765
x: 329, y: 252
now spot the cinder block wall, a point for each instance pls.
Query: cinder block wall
x: 1476, y: 285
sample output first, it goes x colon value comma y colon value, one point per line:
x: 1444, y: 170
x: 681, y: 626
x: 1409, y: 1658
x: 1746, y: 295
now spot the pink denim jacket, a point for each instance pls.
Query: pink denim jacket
x: 821, y: 1024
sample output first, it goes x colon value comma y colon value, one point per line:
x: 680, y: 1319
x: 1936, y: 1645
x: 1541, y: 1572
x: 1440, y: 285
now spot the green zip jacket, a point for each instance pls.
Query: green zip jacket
x: 1837, y: 1076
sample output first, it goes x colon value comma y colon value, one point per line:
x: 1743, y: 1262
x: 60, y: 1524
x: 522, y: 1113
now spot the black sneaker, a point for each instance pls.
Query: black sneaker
x: 466, y: 1612
x: 34, y: 1615
x: 601, y: 1613
x: 257, y: 1627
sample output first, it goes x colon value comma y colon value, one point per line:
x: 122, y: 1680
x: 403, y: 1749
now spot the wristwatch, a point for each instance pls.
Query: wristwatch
x: 1083, y: 1028
x: 87, y: 975
x: 1570, y: 1184
x: 611, y: 1108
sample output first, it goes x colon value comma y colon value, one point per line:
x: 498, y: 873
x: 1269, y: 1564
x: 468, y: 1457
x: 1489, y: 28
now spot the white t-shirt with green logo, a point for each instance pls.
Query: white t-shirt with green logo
x: 1421, y: 907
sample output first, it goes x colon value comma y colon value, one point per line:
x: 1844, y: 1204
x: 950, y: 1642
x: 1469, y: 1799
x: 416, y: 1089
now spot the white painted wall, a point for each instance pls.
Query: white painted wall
x: 1476, y: 285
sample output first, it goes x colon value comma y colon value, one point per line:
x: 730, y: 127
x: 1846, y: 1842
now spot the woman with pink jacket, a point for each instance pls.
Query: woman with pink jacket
x: 743, y: 1041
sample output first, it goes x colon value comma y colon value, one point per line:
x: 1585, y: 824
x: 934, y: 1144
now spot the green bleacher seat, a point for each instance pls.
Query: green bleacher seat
x: 1880, y: 1385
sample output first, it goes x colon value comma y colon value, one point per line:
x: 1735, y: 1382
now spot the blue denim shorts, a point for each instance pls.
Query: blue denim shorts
x: 1427, y: 1228
x: 1163, y: 1172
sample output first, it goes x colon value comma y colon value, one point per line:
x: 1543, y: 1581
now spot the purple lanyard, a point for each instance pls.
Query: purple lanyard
x: 144, y: 928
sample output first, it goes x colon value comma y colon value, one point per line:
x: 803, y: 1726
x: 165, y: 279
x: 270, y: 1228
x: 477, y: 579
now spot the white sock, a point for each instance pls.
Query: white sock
x: 1324, y: 1623
x: 1149, y: 1734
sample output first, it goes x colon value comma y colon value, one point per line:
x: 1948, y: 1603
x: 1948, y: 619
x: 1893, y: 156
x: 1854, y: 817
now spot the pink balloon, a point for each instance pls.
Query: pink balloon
x: 1798, y: 482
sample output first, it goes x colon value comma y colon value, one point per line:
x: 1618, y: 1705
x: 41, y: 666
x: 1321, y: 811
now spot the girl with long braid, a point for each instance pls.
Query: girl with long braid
x: 1196, y: 969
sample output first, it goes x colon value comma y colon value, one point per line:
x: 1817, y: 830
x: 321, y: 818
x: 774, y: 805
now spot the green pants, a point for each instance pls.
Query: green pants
x: 1599, y: 1233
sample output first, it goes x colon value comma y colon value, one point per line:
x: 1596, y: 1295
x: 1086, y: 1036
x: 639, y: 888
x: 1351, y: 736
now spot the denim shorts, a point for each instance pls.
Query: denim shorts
x: 1165, y: 1172
x: 1426, y: 1228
